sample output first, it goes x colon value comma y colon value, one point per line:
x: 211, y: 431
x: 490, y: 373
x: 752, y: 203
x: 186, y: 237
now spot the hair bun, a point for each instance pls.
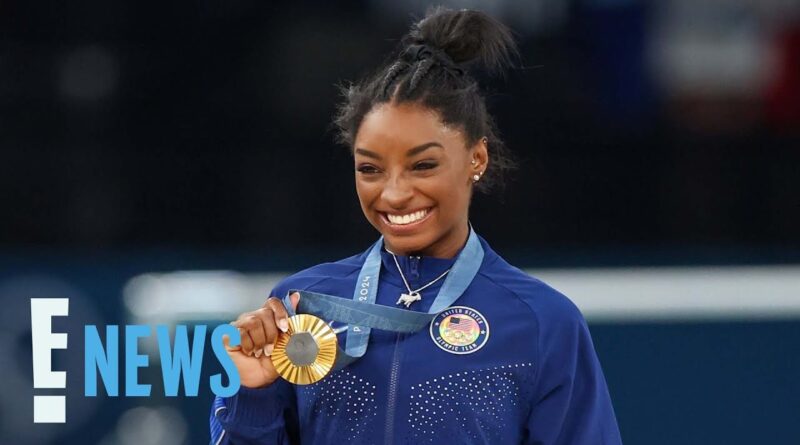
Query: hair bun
x: 466, y: 36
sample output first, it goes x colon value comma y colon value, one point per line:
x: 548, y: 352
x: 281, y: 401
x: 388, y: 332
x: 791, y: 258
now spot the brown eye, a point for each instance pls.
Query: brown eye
x: 367, y: 169
x: 425, y: 165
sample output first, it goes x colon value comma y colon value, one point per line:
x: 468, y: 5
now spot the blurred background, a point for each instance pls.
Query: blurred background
x: 169, y: 162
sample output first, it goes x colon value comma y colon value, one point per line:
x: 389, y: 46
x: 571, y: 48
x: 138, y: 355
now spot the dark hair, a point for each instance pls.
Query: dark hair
x: 430, y: 68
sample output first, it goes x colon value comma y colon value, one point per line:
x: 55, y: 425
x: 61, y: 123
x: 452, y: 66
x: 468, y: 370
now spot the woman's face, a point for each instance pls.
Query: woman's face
x: 414, y: 179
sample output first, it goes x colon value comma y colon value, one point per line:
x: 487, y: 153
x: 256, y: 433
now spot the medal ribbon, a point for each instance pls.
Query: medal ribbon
x: 362, y: 314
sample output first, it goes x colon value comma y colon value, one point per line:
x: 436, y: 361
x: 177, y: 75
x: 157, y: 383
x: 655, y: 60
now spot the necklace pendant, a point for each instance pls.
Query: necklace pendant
x: 408, y: 299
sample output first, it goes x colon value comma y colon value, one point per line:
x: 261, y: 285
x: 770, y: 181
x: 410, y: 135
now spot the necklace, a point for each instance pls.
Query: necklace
x: 412, y: 295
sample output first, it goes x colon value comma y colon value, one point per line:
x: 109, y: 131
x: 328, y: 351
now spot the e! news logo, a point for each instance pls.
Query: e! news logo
x: 179, y: 360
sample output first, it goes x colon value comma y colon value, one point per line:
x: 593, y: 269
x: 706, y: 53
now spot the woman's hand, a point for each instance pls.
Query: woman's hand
x: 259, y: 332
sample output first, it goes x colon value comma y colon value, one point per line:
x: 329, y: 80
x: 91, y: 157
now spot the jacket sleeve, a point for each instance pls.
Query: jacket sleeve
x: 256, y: 417
x: 571, y: 404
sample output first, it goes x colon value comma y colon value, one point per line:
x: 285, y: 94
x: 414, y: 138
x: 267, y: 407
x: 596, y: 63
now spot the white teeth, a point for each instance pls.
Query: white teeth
x: 406, y: 219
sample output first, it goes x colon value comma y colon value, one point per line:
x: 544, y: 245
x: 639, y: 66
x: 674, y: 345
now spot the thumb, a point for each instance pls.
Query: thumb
x: 295, y: 300
x: 226, y: 341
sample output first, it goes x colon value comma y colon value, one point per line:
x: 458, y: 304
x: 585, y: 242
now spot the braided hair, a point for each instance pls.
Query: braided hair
x: 430, y: 69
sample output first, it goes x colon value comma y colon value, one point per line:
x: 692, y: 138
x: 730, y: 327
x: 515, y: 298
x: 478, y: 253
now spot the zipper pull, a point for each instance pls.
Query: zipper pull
x: 414, y: 266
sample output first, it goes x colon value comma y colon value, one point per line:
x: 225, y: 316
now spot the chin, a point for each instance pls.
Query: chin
x: 407, y: 245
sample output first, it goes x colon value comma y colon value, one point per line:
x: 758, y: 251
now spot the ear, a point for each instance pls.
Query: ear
x: 479, y: 153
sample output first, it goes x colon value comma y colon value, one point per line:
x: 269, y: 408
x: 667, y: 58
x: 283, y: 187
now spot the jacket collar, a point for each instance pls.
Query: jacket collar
x: 418, y: 270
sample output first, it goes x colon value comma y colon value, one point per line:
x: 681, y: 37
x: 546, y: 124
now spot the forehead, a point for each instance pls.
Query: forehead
x: 402, y: 126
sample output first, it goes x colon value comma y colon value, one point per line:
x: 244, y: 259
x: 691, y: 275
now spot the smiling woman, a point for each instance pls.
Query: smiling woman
x: 422, y: 144
x: 414, y: 178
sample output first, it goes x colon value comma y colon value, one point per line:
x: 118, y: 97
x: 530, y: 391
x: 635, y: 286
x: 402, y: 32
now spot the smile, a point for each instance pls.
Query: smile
x: 406, y: 219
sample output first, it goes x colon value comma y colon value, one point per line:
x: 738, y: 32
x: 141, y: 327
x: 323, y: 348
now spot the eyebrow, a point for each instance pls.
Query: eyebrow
x: 412, y: 152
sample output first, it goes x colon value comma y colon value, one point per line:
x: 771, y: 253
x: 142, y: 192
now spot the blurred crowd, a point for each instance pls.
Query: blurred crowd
x: 127, y: 124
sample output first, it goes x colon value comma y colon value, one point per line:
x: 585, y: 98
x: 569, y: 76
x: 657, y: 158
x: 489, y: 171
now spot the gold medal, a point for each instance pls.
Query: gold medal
x: 306, y: 352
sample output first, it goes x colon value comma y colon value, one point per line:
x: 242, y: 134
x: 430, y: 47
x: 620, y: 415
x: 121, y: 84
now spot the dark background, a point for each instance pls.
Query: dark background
x: 141, y: 136
x: 135, y: 124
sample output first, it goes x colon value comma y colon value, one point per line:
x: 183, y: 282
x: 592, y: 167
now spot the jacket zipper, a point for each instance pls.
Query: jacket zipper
x: 394, y: 376
x: 413, y: 263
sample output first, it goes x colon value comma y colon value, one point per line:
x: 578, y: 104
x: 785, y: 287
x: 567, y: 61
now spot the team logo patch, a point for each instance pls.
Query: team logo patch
x: 459, y: 330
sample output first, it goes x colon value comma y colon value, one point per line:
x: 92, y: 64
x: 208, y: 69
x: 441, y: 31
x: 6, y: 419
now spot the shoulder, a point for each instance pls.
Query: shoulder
x: 550, y: 307
x: 324, y: 274
x: 560, y: 328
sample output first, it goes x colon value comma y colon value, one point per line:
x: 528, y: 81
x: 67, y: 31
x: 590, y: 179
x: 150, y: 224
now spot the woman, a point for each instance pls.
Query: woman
x: 506, y: 359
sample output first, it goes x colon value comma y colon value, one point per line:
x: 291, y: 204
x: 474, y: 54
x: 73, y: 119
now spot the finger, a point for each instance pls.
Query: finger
x: 247, y: 342
x: 295, y: 300
x: 267, y: 322
x: 226, y: 341
x: 272, y: 336
x: 281, y: 316
x: 256, y: 329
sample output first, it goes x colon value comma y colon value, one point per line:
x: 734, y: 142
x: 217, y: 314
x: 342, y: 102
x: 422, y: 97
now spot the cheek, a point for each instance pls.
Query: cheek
x: 449, y: 193
x: 366, y: 192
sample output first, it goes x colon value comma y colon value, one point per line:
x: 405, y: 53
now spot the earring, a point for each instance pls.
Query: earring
x: 473, y: 162
x: 476, y: 178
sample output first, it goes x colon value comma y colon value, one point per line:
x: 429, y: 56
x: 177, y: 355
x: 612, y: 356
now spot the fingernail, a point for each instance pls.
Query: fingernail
x: 283, y: 325
x: 258, y: 353
x: 268, y: 350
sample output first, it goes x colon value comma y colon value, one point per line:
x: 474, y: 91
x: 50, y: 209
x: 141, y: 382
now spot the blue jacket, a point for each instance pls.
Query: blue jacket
x: 512, y: 363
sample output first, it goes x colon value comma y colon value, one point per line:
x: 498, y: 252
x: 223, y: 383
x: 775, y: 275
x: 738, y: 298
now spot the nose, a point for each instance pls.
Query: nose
x: 397, y: 192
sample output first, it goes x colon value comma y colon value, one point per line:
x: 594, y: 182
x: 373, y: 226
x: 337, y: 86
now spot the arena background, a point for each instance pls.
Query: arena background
x: 166, y: 162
